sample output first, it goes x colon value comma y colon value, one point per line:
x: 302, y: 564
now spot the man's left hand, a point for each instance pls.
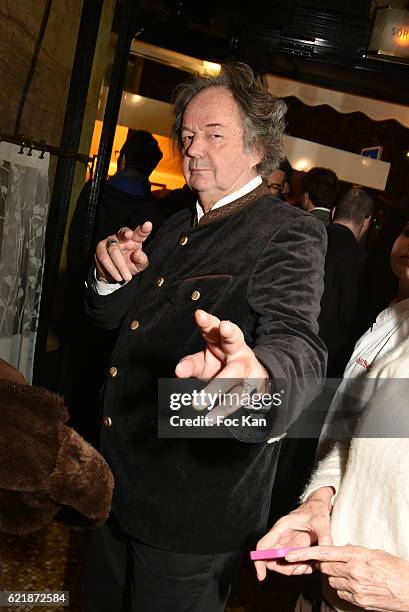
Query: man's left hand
x: 371, y: 579
x: 227, y: 360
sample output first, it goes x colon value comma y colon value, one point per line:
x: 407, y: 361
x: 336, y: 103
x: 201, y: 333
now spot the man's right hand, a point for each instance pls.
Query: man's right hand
x: 120, y: 257
x: 307, y: 525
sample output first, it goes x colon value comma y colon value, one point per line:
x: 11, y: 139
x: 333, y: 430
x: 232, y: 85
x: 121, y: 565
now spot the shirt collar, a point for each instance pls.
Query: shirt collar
x: 255, y: 182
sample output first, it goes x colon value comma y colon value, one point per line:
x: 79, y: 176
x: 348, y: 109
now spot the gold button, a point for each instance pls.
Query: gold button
x: 159, y: 281
x: 134, y: 325
x: 113, y: 371
x: 195, y: 295
x: 107, y: 421
x: 183, y: 240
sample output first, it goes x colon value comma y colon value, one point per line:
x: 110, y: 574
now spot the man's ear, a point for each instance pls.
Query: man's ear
x: 256, y: 155
x: 364, y: 228
x: 366, y: 224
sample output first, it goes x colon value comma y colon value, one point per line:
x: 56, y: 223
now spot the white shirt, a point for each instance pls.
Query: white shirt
x: 250, y: 186
x: 104, y: 288
x: 390, y: 329
x: 321, y: 208
x: 370, y: 475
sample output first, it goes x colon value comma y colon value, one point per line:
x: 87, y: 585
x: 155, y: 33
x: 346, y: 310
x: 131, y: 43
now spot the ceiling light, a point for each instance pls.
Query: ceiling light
x: 302, y: 165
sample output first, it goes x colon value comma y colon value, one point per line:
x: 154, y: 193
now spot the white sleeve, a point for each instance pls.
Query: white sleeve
x: 103, y: 287
x: 330, y: 470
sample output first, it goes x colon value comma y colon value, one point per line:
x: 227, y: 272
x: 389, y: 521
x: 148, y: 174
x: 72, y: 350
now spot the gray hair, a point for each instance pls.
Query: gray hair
x: 262, y: 114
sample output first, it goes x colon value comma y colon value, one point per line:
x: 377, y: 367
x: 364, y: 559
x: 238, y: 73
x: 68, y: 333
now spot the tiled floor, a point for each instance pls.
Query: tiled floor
x: 52, y: 559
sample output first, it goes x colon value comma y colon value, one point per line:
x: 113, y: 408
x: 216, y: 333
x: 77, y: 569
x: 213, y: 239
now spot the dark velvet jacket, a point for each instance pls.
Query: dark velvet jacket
x: 259, y: 263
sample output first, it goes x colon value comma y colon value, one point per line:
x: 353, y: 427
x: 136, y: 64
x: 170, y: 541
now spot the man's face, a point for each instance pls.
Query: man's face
x: 214, y: 161
x: 276, y: 182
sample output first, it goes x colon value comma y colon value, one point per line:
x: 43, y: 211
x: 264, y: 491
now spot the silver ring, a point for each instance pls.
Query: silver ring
x: 112, y: 241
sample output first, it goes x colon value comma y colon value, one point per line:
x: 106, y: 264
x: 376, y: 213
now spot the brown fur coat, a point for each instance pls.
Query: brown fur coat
x: 45, y: 464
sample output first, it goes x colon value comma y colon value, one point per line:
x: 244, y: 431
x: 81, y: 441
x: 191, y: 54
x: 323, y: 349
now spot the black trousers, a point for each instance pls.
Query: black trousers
x: 125, y: 575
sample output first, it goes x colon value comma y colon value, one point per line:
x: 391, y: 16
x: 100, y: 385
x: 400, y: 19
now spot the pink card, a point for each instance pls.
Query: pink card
x: 271, y: 553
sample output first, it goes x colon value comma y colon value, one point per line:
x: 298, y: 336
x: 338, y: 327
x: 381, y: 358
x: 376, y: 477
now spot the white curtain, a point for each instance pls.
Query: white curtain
x: 23, y: 218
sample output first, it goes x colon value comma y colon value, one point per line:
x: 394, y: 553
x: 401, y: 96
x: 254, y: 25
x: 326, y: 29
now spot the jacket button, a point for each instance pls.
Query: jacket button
x: 134, y: 325
x: 107, y: 421
x: 195, y: 295
x: 113, y: 372
x: 183, y: 240
x: 159, y: 281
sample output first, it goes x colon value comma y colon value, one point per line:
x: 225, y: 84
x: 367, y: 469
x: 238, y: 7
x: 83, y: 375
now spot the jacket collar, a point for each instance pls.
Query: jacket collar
x: 233, y: 207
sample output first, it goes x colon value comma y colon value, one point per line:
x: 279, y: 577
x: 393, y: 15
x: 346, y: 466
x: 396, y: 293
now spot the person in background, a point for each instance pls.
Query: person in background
x: 84, y: 350
x: 279, y: 181
x: 127, y: 194
x: 381, y: 283
x: 320, y: 192
x: 342, y: 321
x: 356, y: 506
x: 343, y: 301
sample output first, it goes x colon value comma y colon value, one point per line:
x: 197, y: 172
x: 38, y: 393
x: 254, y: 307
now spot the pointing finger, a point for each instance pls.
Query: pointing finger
x: 232, y: 339
x: 141, y: 233
x: 208, y: 325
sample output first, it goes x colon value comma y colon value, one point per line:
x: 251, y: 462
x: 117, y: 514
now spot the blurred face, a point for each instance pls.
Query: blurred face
x: 400, y: 255
x: 276, y: 182
x: 215, y: 163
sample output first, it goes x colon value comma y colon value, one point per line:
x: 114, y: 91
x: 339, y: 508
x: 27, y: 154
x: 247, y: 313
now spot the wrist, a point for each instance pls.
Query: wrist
x: 322, y: 495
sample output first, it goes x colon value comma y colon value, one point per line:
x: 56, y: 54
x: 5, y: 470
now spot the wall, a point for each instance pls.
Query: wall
x: 45, y: 107
x: 20, y: 21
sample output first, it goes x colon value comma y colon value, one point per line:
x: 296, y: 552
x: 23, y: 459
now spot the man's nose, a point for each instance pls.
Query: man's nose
x: 196, y: 147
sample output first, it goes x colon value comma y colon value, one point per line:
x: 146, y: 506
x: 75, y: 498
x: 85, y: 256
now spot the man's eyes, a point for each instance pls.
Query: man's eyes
x: 187, y: 138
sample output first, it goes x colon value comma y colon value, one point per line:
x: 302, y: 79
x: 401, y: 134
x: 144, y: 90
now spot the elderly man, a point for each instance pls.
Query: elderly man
x: 232, y: 293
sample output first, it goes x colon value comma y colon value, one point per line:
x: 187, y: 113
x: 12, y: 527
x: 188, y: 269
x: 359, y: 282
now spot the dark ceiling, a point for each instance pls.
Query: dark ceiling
x: 316, y: 41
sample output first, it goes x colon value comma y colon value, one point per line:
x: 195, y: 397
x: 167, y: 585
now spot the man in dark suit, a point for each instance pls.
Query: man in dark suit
x: 127, y: 195
x: 320, y: 191
x: 84, y: 351
x: 341, y: 318
x: 231, y: 294
x: 341, y: 322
